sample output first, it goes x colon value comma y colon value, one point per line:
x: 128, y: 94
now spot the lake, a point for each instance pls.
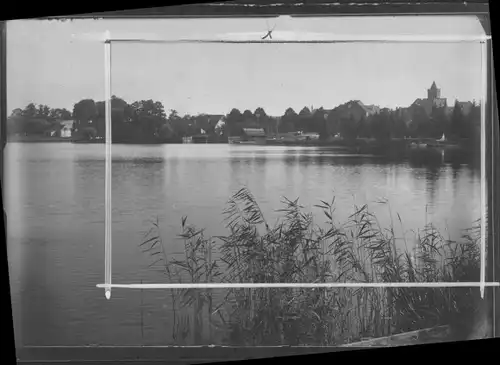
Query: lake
x: 55, y: 207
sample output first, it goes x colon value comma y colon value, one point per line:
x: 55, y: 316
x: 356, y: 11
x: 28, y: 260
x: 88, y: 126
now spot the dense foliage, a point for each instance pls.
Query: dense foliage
x: 147, y: 120
x: 298, y: 250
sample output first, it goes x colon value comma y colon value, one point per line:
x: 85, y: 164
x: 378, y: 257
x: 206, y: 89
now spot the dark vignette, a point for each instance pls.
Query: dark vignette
x: 238, y: 9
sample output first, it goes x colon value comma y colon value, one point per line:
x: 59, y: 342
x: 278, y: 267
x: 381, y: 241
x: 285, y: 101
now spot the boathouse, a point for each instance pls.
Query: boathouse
x: 257, y: 135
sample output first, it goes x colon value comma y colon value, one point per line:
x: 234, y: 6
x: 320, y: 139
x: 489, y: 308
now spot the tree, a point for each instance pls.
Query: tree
x: 440, y: 121
x: 30, y: 111
x: 247, y: 114
x: 473, y: 122
x: 121, y: 111
x: 100, y: 120
x: 399, y: 128
x: 264, y: 121
x: 305, y: 112
x: 234, y: 117
x: 363, y: 129
x: 317, y: 122
x: 60, y: 114
x: 166, y: 132
x: 84, y: 112
x: 149, y: 108
x: 147, y: 117
x: 88, y: 132
x: 304, y: 120
x: 43, y: 111
x: 260, y: 113
x: 348, y: 127
x: 457, y: 122
x: 332, y: 123
x: 288, y: 122
x: 173, y: 115
x: 380, y: 126
x: 16, y: 112
x: 234, y: 122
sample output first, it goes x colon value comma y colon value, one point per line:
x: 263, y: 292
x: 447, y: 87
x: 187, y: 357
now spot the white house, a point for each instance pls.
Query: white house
x: 67, y: 126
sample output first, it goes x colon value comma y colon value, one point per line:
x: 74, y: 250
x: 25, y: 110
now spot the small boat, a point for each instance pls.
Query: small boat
x: 414, y: 145
x: 443, y: 144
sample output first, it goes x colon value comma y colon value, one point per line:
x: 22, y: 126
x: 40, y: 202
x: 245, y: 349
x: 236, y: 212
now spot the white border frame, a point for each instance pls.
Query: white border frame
x: 326, y: 38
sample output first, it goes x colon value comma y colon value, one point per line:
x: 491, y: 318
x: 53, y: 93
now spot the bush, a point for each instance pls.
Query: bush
x: 296, y: 250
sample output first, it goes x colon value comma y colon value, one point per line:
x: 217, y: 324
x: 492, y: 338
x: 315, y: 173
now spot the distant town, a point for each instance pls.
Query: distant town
x: 146, y: 121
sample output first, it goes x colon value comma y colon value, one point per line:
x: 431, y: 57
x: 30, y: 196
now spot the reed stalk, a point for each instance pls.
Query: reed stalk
x: 298, y: 250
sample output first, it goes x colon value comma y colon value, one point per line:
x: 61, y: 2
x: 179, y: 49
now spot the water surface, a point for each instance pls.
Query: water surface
x: 55, y: 206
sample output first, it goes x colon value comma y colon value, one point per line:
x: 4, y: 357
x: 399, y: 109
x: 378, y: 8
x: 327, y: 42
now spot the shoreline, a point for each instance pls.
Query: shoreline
x: 359, y: 144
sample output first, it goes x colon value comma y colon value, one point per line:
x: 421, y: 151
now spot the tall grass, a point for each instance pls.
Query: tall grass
x: 297, y: 250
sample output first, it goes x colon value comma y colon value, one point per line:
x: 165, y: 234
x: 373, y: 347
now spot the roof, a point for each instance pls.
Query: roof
x: 254, y: 132
x: 424, y: 103
x: 66, y: 123
x: 369, y: 109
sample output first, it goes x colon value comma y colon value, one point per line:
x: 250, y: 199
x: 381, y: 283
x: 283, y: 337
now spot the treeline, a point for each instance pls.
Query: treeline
x: 43, y: 111
x: 140, y: 121
x: 147, y: 120
x: 344, y: 121
x: 36, y: 119
x: 413, y: 122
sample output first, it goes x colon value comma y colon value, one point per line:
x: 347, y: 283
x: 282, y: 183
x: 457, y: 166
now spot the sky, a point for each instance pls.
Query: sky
x: 59, y: 63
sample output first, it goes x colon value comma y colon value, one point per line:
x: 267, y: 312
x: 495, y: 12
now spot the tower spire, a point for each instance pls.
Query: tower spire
x: 433, y: 92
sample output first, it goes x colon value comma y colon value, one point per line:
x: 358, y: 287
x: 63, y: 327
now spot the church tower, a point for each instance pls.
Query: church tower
x: 433, y: 93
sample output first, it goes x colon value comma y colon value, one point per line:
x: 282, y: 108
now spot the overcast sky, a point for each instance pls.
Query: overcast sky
x: 60, y: 63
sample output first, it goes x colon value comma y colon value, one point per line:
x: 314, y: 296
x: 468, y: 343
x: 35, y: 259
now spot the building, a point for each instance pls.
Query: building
x: 200, y: 138
x: 257, y: 135
x: 434, y: 99
x: 61, y: 129
x: 66, y: 129
x: 369, y: 109
x: 249, y: 135
x: 207, y: 122
x: 354, y: 109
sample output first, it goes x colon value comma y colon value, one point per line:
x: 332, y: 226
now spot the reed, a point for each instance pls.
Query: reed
x: 296, y: 250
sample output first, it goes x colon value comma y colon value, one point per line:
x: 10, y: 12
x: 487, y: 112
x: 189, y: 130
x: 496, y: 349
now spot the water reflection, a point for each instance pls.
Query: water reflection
x: 290, y: 159
x: 432, y: 180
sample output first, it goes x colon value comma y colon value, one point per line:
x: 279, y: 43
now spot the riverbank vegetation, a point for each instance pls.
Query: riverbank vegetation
x: 147, y: 121
x: 303, y: 248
